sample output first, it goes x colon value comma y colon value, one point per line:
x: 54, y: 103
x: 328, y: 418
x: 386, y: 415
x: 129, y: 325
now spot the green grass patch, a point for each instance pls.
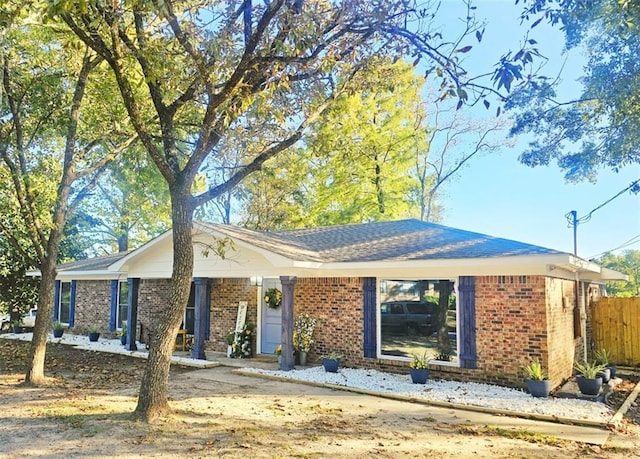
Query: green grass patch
x: 515, y: 434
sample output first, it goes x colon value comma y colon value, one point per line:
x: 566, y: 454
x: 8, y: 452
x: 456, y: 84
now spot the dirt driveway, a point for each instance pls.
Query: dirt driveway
x: 85, y: 413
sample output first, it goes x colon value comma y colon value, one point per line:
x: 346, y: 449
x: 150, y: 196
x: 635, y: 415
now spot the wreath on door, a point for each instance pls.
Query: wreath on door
x: 273, y: 298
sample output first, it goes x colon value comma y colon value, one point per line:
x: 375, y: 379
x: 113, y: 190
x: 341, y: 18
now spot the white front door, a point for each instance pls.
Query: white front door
x: 271, y: 322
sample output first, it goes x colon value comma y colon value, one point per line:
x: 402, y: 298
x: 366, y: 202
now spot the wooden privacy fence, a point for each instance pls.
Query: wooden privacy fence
x: 616, y: 328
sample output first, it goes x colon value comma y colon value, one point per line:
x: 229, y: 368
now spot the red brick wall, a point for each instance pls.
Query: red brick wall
x: 518, y: 318
x: 225, y: 295
x: 153, y: 295
x: 93, y: 305
x: 511, y: 325
x: 562, y: 343
x: 337, y: 304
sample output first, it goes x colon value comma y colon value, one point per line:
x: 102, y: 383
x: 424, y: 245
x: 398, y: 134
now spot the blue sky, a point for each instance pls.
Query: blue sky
x: 497, y: 195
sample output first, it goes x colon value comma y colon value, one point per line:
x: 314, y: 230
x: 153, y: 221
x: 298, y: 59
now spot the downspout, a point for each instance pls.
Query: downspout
x: 579, y: 293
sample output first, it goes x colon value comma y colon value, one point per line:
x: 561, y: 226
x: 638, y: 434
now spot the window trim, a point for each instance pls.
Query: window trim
x: 59, y: 302
x: 381, y: 356
x: 118, y: 297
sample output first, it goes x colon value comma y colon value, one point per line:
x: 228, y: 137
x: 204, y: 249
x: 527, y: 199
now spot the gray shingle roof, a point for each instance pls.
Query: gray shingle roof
x: 92, y: 264
x: 401, y: 240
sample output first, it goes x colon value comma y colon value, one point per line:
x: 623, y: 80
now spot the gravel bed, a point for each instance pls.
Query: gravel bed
x: 470, y: 394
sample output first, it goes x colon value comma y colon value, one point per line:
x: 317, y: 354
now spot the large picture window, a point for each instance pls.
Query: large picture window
x: 418, y: 317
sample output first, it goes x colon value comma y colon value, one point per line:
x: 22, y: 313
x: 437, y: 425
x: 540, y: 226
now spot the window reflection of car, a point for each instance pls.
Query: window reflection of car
x: 410, y: 317
x: 28, y: 320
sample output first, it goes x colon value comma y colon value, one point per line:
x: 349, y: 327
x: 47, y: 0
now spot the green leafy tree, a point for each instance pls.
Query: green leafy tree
x: 129, y: 205
x: 356, y: 162
x: 600, y: 128
x: 208, y: 67
x: 379, y: 153
x: 51, y: 147
x: 628, y: 262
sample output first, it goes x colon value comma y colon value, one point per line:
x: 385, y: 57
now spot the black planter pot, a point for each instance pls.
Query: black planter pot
x: 538, y: 388
x: 17, y: 329
x: 93, y: 337
x: 613, y: 369
x: 330, y: 365
x: 58, y: 333
x: 605, y: 375
x: 589, y: 386
x: 123, y: 339
x: 419, y: 375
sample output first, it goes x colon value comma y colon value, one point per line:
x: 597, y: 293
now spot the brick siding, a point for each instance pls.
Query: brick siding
x: 337, y: 304
x: 225, y: 295
x: 518, y: 318
x: 93, y: 306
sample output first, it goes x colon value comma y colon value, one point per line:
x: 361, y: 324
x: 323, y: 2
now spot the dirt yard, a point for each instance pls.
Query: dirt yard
x: 85, y: 412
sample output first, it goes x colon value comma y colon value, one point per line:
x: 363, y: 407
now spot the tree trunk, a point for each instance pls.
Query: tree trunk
x: 37, y: 351
x: 154, y: 388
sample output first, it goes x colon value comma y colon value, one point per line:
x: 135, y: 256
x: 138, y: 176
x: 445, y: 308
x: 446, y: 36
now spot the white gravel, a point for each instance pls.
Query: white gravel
x: 470, y: 394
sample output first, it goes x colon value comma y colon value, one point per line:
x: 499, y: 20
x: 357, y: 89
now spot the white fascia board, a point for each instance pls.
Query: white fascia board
x: 605, y: 274
x: 584, y: 265
x: 501, y: 265
x: 543, y: 265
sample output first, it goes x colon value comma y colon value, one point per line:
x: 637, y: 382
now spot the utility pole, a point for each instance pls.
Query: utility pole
x: 572, y: 218
x: 574, y: 215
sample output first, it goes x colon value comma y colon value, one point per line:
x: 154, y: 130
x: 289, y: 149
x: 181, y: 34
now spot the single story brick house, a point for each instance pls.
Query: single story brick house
x: 482, y: 306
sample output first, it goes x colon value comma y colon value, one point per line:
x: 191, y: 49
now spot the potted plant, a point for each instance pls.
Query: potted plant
x: 444, y: 352
x: 58, y: 329
x: 16, y: 325
x: 419, y: 369
x: 331, y: 362
x: 603, y: 357
x: 588, y: 380
x: 303, y: 335
x: 93, y: 333
x: 123, y: 335
x: 537, y: 380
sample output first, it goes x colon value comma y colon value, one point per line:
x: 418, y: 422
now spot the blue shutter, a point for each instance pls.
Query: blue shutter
x: 132, y: 313
x: 369, y: 318
x: 207, y: 326
x: 72, y: 304
x: 114, y: 305
x: 56, y: 301
x: 467, y: 311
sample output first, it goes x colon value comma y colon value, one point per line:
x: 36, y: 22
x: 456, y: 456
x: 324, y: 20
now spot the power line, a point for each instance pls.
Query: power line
x: 634, y: 187
x: 632, y: 241
x: 574, y: 221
